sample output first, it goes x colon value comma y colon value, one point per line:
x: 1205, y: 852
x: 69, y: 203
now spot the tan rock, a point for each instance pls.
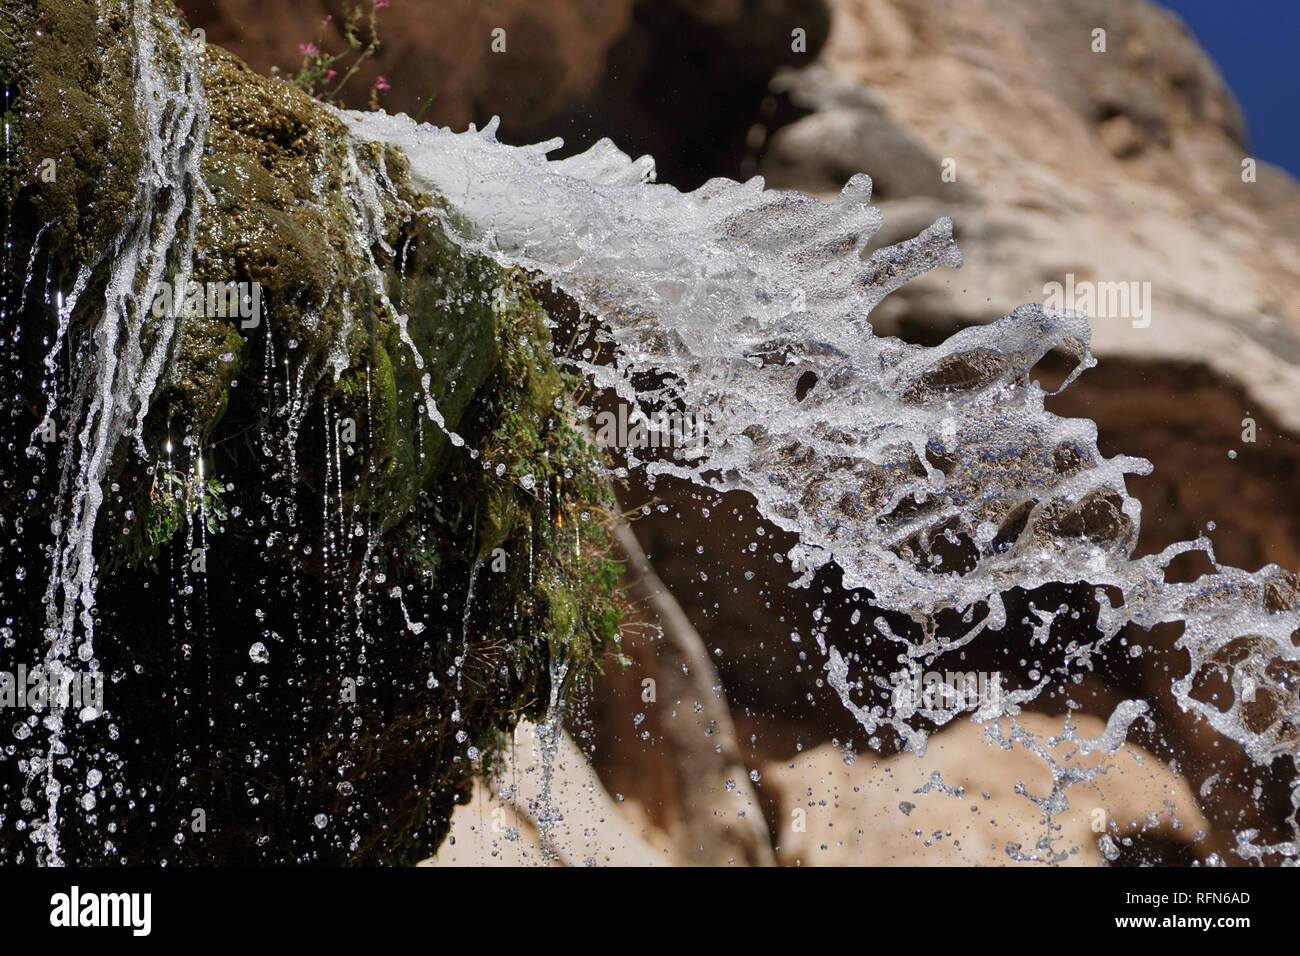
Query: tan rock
x: 881, y: 812
x: 510, y: 821
x: 1115, y: 167
x: 675, y: 757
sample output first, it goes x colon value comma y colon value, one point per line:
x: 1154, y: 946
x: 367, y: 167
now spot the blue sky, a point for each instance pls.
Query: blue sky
x: 1256, y: 44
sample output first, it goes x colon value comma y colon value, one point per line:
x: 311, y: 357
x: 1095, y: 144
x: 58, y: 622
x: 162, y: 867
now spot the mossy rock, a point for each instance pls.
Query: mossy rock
x: 410, y: 596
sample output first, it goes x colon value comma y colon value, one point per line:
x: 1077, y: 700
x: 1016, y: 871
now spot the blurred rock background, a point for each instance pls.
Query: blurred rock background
x: 1053, y: 158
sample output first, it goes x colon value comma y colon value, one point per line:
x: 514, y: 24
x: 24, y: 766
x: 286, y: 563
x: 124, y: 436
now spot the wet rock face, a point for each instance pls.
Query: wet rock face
x: 314, y: 612
x: 68, y: 164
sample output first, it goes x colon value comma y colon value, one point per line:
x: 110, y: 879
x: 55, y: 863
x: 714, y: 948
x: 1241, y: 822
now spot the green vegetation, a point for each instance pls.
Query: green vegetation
x: 447, y: 583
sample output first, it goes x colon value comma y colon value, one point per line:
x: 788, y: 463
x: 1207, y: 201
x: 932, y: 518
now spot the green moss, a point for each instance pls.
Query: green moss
x: 431, y: 324
x: 383, y: 408
x: 374, y: 332
x: 68, y: 85
x: 560, y: 519
x: 278, y: 214
x: 212, y: 358
x: 13, y: 64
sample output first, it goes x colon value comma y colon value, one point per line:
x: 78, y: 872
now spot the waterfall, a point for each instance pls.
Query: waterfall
x: 935, y: 477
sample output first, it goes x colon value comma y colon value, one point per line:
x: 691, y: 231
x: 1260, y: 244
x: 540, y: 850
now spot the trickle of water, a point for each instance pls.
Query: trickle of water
x: 548, y: 735
x: 118, y: 377
x: 464, y: 634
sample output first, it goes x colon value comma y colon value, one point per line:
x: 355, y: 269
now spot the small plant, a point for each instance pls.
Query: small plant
x: 172, y: 499
x: 177, y: 497
x: 323, y: 75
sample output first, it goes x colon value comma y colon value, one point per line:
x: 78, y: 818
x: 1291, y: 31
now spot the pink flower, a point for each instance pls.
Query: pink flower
x: 380, y: 3
x: 308, y: 48
x: 180, y: 14
x: 381, y: 83
x: 330, y: 74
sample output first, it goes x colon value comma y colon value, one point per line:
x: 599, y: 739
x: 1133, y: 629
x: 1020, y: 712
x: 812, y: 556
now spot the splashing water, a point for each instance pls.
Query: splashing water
x: 935, y: 477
